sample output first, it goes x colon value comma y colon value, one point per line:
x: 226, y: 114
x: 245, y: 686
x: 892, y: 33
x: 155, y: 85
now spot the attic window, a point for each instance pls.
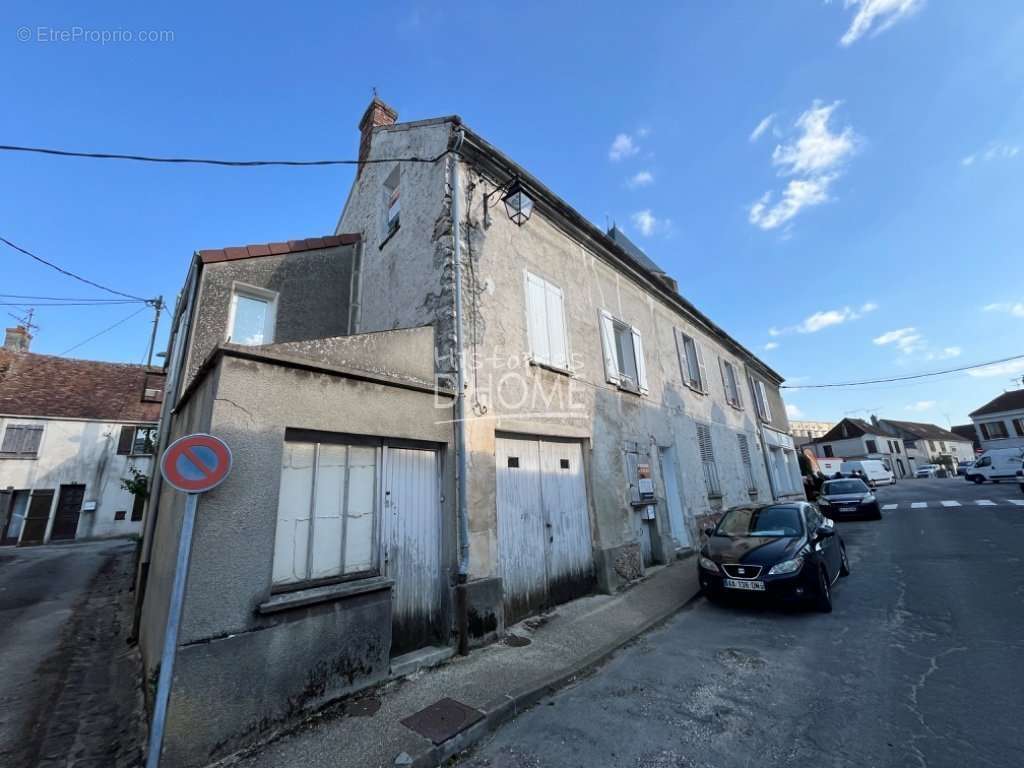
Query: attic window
x: 392, y: 202
x: 252, y: 316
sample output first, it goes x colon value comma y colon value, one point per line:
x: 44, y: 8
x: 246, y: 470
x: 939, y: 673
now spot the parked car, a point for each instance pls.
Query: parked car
x: 872, y: 471
x: 997, y: 464
x: 786, y: 551
x: 926, y: 470
x: 853, y: 498
x: 963, y: 466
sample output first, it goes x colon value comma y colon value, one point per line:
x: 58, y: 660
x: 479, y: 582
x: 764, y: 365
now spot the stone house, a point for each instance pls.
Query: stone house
x: 392, y: 499
x: 70, y: 432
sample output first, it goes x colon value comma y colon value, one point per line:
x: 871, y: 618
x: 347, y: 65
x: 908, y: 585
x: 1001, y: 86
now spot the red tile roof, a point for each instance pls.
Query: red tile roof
x: 274, y: 249
x: 42, y: 385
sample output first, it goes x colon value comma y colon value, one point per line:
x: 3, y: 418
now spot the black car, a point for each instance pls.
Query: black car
x: 848, y: 498
x: 784, y: 551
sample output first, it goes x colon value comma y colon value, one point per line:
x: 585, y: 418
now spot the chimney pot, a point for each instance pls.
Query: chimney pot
x: 376, y: 115
x: 17, y: 339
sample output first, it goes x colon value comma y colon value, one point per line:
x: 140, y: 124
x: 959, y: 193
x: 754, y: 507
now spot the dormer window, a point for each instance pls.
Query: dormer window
x: 392, y: 203
x: 252, y: 316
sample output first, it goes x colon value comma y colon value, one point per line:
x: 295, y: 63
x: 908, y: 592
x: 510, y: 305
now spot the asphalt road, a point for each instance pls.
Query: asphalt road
x: 918, y: 665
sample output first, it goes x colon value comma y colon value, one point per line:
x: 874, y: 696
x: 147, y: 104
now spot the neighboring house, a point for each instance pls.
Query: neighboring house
x: 605, y: 417
x: 1000, y: 422
x: 928, y: 443
x: 859, y: 439
x: 804, y: 432
x: 70, y: 432
x: 968, y: 432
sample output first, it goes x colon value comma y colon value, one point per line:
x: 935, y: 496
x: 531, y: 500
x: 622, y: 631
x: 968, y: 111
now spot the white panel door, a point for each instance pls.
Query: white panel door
x: 570, y: 559
x: 411, y: 547
x: 670, y: 476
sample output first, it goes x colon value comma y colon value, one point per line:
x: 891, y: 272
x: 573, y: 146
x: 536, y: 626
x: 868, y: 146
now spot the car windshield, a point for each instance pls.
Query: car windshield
x: 845, y: 486
x: 764, y: 521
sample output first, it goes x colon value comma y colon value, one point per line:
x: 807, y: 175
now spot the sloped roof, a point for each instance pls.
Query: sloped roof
x: 63, y: 387
x: 854, y: 428
x: 1008, y: 401
x: 924, y: 431
x: 274, y: 249
x: 966, y: 432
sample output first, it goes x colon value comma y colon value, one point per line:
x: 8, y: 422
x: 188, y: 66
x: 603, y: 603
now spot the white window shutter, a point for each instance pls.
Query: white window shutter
x: 705, y: 385
x: 739, y: 389
x: 536, y: 319
x: 725, y: 377
x: 611, y: 365
x: 641, y: 366
x: 764, y: 399
x: 681, y: 354
x: 555, y: 315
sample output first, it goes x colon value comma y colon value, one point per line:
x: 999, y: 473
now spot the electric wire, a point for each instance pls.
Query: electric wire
x: 105, y: 330
x: 903, y: 378
x: 70, y: 274
x: 212, y: 161
x: 66, y: 298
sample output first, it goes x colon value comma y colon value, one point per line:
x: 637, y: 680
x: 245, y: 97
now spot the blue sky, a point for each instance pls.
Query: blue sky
x: 872, y: 227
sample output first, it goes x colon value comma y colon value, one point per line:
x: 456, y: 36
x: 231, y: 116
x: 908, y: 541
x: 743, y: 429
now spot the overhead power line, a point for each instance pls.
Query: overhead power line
x: 66, y: 298
x: 209, y: 161
x: 903, y: 378
x: 105, y: 330
x: 63, y: 271
x: 67, y: 303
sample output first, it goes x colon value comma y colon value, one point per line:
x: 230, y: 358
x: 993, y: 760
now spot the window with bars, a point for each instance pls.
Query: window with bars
x: 707, y: 456
x: 748, y: 465
x: 22, y: 440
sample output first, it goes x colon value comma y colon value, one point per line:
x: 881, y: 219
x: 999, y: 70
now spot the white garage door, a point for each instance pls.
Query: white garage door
x: 543, y: 524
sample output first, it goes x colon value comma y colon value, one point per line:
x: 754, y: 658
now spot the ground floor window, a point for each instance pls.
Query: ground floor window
x: 326, y: 513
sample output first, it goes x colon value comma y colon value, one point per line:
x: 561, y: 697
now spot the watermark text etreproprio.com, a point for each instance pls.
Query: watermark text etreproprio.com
x: 78, y: 34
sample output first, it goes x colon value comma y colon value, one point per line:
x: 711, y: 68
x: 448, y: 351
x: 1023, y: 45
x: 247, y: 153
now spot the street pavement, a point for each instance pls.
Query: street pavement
x: 918, y: 665
x: 69, y: 690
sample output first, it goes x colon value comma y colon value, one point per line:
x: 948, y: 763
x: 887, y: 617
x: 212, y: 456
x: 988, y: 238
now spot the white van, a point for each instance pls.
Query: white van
x: 996, y: 464
x: 874, y: 471
x: 829, y: 467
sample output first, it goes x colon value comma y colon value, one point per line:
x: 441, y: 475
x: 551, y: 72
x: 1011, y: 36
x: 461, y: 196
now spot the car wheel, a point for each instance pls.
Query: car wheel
x: 978, y: 479
x: 844, y: 562
x: 824, y: 601
x: 878, y: 512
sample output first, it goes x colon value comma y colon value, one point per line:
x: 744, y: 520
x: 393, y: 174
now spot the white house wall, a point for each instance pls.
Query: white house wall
x: 79, y: 452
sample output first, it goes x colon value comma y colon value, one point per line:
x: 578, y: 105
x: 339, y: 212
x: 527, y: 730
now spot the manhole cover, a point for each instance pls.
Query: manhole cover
x: 516, y: 641
x: 442, y: 720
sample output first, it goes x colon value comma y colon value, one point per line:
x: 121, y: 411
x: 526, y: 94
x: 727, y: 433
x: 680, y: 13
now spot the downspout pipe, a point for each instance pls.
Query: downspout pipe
x: 461, y: 457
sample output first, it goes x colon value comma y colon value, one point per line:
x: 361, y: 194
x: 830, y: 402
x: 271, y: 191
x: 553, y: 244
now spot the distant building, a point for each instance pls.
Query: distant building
x: 70, y: 432
x: 859, y: 439
x: 804, y: 432
x: 928, y: 443
x: 968, y: 432
x: 1000, y: 422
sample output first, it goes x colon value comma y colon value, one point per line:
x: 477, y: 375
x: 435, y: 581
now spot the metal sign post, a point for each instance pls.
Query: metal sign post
x: 194, y: 464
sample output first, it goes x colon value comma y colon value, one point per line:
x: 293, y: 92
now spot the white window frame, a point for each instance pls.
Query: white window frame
x: 987, y: 431
x: 254, y: 293
x: 764, y: 410
x: 140, y: 436
x: 538, y: 322
x: 685, y: 344
x: 33, y: 426
x: 392, y: 185
x: 731, y: 380
x: 608, y: 327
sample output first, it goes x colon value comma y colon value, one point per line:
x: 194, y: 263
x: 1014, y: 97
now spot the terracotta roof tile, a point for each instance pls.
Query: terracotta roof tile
x: 233, y: 253
x: 43, y: 385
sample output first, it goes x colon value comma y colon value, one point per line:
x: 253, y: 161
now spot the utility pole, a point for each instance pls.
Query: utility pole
x: 158, y: 305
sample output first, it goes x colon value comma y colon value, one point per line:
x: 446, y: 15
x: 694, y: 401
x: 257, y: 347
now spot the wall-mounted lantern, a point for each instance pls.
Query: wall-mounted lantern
x: 518, y: 204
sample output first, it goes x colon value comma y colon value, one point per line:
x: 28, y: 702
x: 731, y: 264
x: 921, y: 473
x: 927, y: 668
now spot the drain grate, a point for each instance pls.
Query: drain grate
x: 442, y: 720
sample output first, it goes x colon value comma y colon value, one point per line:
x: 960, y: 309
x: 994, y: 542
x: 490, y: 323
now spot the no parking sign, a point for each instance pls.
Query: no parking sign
x: 196, y: 463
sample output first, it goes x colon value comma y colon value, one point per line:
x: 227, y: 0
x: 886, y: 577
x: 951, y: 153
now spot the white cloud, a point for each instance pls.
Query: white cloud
x: 817, y: 149
x: 793, y: 412
x: 771, y: 345
x: 944, y: 354
x: 622, y: 147
x: 1014, y: 308
x: 876, y: 16
x: 648, y: 224
x: 817, y: 155
x: 825, y: 318
x: 921, y: 405
x: 640, y: 179
x: 998, y: 369
x: 996, y: 150
x: 907, y: 340
x: 763, y: 126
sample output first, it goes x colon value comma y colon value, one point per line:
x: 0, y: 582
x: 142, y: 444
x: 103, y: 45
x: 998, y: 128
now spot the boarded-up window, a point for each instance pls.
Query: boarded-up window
x: 707, y: 456
x: 22, y: 439
x: 326, y: 513
x: 545, y: 317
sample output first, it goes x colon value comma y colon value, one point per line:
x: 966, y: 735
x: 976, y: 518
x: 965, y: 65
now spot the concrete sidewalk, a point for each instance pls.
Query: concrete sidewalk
x: 499, y: 681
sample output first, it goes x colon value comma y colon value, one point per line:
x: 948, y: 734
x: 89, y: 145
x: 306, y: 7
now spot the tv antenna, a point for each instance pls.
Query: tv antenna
x: 26, y: 321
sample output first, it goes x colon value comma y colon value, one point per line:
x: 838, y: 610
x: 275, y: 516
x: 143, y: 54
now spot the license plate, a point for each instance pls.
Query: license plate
x: 750, y: 586
x: 847, y: 509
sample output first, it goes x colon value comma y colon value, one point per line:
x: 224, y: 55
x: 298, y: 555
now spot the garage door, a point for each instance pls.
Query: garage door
x: 544, y: 539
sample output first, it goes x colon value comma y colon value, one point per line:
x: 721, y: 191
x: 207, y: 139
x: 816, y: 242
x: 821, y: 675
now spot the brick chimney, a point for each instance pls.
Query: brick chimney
x: 16, y: 339
x: 376, y: 115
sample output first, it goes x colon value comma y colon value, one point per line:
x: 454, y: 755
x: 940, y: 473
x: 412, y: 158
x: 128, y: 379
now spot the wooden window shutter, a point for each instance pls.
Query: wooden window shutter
x: 125, y: 440
x: 705, y: 385
x: 611, y: 364
x: 641, y: 366
x: 536, y: 319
